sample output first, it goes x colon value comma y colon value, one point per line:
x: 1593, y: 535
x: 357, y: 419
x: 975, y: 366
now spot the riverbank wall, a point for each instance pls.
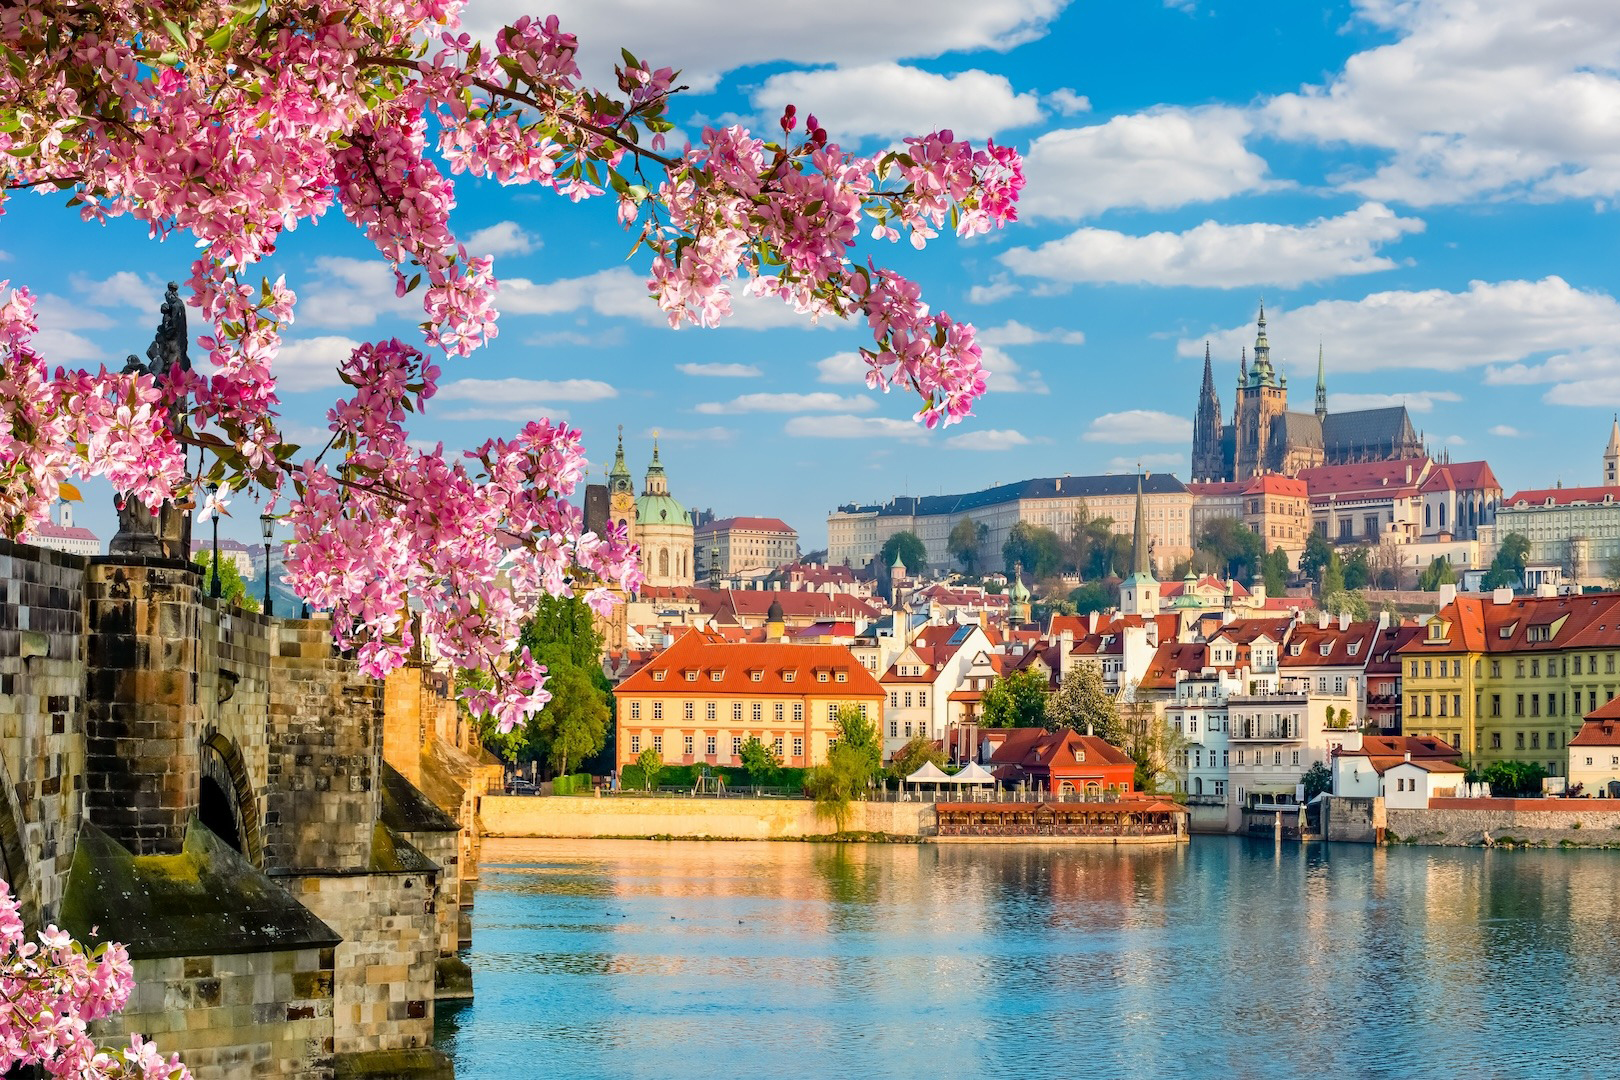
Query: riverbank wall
x: 1486, y: 822
x: 626, y: 816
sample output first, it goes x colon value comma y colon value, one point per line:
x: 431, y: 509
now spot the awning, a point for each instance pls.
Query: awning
x: 974, y: 774
x: 928, y: 774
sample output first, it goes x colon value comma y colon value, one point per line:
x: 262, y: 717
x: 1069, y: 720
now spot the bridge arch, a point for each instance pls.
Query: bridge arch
x: 225, y: 799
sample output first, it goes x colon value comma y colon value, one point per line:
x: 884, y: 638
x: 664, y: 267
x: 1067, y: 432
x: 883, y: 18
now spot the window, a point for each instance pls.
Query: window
x: 1276, y: 757
x: 1428, y: 704
x: 1577, y: 665
x: 1496, y: 669
x: 777, y: 746
x: 1535, y: 704
x: 1427, y: 669
x: 798, y: 712
x: 1192, y: 726
x: 658, y: 710
x: 842, y: 677
x: 736, y: 745
x: 1518, y: 668
x: 1223, y: 763
x: 635, y: 744
x: 689, y: 710
x: 709, y: 745
x: 1552, y: 740
x: 1198, y: 758
x: 1496, y: 740
x: 779, y: 711
x: 1519, y: 705
x: 787, y: 676
x: 736, y: 710
x: 922, y: 699
x: 894, y: 729
x: 1535, y: 667
x: 691, y: 676
x: 759, y: 712
x: 894, y: 699
x: 635, y: 710
x: 1456, y: 704
x: 1413, y: 673
x: 709, y: 711
x: 1321, y: 684
x: 821, y: 676
x: 1608, y: 663
x: 686, y: 745
x: 1442, y: 704
x: 798, y: 746
x: 1296, y: 757
x: 907, y: 699
x: 1535, y: 740
x: 1518, y: 740
x: 1338, y: 684
x: 1496, y: 704
x: 754, y: 676
x: 658, y: 744
x: 832, y: 744
x: 1240, y: 757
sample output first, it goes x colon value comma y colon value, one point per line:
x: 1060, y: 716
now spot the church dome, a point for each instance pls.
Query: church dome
x: 1018, y: 593
x: 660, y: 510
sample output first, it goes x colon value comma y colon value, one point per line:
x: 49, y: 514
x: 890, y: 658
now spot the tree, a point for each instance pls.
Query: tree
x: 860, y: 735
x: 1357, y: 570
x: 1094, y: 550
x: 1332, y: 576
x: 1083, y: 703
x: 1338, y: 603
x: 835, y: 783
x: 573, y: 726
x: 1036, y: 547
x: 1514, y: 779
x: 1315, y: 556
x: 910, y: 549
x: 1152, y: 743
x: 281, y: 111
x: 920, y: 750
x: 1318, y: 780
x: 1439, y: 572
x: 1507, y: 567
x: 1275, y: 570
x: 1233, y: 547
x: 232, y: 589
x: 651, y: 763
x: 761, y: 762
x: 1611, y: 570
x: 53, y: 987
x: 966, y: 543
x: 1093, y: 596
x: 1017, y: 700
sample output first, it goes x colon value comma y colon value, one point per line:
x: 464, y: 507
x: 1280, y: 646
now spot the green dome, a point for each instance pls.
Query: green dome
x: 1018, y: 592
x: 660, y: 510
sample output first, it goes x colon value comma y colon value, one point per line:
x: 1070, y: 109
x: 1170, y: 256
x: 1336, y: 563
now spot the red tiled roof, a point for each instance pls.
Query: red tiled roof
x: 706, y: 654
x: 1305, y: 645
x: 1216, y: 488
x: 1478, y: 624
x: 48, y: 530
x: 1245, y: 631
x: 1208, y: 581
x: 1276, y: 484
x: 1387, y: 751
x: 1563, y: 496
x: 751, y: 524
x: 1461, y: 476
x: 1026, y: 747
x: 1365, y: 478
x: 1173, y: 657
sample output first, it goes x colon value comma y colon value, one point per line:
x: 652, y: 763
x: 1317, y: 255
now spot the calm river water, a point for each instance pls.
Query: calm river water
x: 1226, y: 957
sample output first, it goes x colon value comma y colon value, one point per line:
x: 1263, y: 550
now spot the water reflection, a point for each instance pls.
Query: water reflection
x: 1223, y: 957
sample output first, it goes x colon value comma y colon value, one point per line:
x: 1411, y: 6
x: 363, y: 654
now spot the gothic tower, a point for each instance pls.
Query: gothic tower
x: 621, y: 490
x: 1611, y: 456
x: 1262, y: 399
x: 1139, y: 595
x: 1208, y: 462
x: 1321, y: 386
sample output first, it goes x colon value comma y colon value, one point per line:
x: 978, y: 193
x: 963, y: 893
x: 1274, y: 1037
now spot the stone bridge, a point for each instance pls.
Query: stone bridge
x: 287, y: 847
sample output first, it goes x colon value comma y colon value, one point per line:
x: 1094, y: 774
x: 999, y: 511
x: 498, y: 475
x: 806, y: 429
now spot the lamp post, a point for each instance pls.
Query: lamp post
x: 214, y: 584
x: 267, y: 525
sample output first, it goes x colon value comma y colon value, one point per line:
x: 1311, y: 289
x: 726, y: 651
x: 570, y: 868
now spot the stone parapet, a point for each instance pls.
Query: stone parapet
x: 681, y: 818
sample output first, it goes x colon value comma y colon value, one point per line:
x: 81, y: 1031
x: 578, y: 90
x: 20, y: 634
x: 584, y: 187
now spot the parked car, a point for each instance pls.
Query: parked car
x: 520, y: 786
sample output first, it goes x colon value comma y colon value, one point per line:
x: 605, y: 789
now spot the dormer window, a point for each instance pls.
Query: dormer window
x: 842, y: 676
x: 691, y: 676
x: 787, y: 676
x: 821, y: 676
x: 1326, y: 647
x: 756, y: 675
x: 658, y: 676
x: 717, y: 674
x: 1295, y: 649
x: 1079, y: 754
x: 1355, y: 647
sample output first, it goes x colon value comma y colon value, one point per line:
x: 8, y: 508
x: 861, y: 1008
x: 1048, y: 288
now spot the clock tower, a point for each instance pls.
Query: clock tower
x: 621, y: 491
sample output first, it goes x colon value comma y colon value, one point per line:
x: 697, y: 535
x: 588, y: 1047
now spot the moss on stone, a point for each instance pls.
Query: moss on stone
x: 393, y: 854
x: 417, y: 1063
x: 407, y: 810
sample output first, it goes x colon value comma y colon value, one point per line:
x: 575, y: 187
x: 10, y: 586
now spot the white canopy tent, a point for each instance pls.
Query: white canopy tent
x: 974, y: 773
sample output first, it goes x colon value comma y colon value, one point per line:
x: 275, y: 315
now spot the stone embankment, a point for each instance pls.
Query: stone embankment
x: 627, y: 816
x: 1517, y: 822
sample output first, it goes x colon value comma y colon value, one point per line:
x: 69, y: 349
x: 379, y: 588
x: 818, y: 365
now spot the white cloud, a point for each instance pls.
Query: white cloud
x: 1418, y: 401
x: 1222, y: 256
x: 705, y: 38
x: 347, y: 292
x: 1145, y: 461
x: 721, y: 371
x: 58, y: 340
x: 123, y: 289
x: 1139, y: 426
x: 516, y: 391
x: 1155, y: 160
x: 1067, y: 102
x: 1474, y: 99
x: 708, y: 434
x: 1505, y: 431
x: 312, y: 363
x: 502, y: 238
x: 1005, y: 376
x: 595, y: 339
x: 1491, y: 324
x: 1013, y: 332
x: 843, y: 368
x: 1000, y: 288
x: 819, y: 401
x: 988, y: 439
x: 845, y: 426
x: 621, y: 293
x: 1456, y: 440
x: 891, y: 101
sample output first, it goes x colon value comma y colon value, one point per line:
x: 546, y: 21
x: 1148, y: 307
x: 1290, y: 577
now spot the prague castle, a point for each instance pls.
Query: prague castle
x: 1263, y: 436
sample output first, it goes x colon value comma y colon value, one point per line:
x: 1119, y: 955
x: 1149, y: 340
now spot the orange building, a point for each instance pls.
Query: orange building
x: 702, y: 698
x: 1059, y: 762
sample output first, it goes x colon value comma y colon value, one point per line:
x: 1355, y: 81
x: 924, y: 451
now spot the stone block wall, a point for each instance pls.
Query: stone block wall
x: 383, y: 995
x: 236, y: 1015
x: 1478, y: 822
x: 441, y: 848
x: 1353, y: 820
x: 325, y: 739
x: 42, y: 687
x: 234, y: 694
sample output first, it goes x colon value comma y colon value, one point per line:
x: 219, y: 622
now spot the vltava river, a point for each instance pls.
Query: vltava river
x: 1227, y: 957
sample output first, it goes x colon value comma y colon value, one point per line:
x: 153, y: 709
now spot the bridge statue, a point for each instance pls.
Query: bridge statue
x: 166, y: 533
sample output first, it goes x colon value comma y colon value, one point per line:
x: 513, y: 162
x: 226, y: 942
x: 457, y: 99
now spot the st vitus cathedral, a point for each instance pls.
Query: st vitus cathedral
x: 1265, y: 437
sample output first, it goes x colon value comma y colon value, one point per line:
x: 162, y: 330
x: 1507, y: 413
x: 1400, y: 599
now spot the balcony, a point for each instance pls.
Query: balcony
x: 1265, y: 733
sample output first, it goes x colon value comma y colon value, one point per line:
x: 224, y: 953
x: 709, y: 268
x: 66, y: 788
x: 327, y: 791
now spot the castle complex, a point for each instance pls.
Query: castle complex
x: 1265, y: 437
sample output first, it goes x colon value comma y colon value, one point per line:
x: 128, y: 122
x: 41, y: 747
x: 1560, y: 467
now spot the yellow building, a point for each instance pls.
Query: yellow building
x: 702, y: 698
x: 1508, y: 678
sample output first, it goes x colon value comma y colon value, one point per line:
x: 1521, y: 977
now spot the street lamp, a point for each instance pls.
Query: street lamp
x: 267, y: 525
x: 214, y: 585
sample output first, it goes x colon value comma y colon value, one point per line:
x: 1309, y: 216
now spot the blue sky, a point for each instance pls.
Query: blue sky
x: 1426, y: 188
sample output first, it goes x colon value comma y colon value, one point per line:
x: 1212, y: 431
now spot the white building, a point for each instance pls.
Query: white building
x: 60, y: 534
x: 737, y: 545
x: 917, y: 686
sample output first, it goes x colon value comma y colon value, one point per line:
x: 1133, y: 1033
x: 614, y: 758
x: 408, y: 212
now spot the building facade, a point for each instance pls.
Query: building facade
x: 737, y: 545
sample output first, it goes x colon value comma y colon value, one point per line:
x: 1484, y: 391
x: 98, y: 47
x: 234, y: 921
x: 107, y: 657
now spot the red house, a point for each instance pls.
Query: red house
x: 1059, y: 762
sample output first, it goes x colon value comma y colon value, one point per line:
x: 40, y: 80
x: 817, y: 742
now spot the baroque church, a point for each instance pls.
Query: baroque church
x: 656, y: 521
x: 1265, y: 437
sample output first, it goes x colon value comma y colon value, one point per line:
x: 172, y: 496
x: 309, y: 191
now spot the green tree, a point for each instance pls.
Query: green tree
x: 919, y: 751
x: 651, y: 763
x: 1315, y: 556
x: 860, y: 734
x: 574, y: 723
x: 966, y: 543
x: 1337, y: 603
x: 1318, y: 780
x: 837, y: 782
x: 1232, y: 547
x: 232, y: 589
x: 1507, y: 568
x: 564, y: 621
x: 1082, y: 701
x: 1275, y: 571
x: 1332, y: 576
x: 1514, y: 779
x: 1152, y: 744
x: 910, y: 548
x: 1036, y: 547
x: 760, y: 762
x: 1018, y: 700
x: 1357, y: 572
x: 1093, y: 596
x: 1439, y: 572
x: 1611, y: 570
x: 1093, y: 550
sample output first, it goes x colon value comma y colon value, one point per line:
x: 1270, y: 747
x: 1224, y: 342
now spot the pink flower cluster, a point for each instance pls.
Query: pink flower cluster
x: 50, y: 991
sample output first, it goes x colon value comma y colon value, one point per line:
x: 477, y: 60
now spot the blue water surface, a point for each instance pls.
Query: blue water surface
x: 1223, y: 958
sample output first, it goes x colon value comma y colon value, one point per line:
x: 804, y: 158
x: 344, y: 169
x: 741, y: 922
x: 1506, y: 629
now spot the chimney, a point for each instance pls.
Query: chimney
x: 1409, y: 755
x: 1344, y: 620
x: 1322, y: 620
x: 1089, y: 732
x: 1066, y: 639
x: 1446, y: 594
x: 1409, y: 472
x: 1504, y: 595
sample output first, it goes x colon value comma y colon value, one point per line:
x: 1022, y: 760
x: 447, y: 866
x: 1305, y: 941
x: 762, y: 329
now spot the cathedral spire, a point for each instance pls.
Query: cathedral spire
x: 1243, y: 366
x: 1139, y: 595
x: 1321, y: 385
x: 1262, y: 351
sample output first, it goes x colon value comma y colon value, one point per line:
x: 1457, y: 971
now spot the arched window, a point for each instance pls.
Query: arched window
x: 1428, y: 516
x: 663, y: 562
